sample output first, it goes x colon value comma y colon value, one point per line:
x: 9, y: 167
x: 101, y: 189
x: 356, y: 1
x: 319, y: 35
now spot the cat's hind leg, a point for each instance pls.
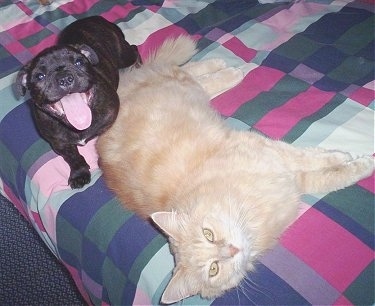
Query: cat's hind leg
x: 213, y: 75
x: 305, y: 159
x: 335, y: 177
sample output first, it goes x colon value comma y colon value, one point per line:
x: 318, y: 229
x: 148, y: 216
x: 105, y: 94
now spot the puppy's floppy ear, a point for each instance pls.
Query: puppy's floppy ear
x: 20, y: 85
x: 89, y: 53
x: 138, y: 61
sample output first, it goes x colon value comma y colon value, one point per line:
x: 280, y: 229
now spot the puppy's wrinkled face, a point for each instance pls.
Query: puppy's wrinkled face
x: 60, y: 81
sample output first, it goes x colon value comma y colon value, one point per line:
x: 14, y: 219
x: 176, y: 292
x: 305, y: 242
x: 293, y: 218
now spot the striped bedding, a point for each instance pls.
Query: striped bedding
x: 309, y: 79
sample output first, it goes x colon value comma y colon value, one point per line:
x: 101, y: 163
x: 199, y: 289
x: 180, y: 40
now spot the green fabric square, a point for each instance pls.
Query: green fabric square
x: 99, y: 230
x: 204, y: 20
x: 356, y: 38
x: 355, y: 202
x: 352, y: 69
x: 144, y: 257
x: 254, y: 110
x: 306, y: 122
x: 114, y: 281
x: 361, y: 291
x: 298, y: 48
x: 94, y: 299
x: 33, y: 40
x: 34, y: 152
x: 8, y: 164
x: 68, y: 238
x: 4, y: 54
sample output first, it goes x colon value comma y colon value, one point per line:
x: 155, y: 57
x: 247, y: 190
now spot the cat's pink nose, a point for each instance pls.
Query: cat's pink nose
x: 233, y: 250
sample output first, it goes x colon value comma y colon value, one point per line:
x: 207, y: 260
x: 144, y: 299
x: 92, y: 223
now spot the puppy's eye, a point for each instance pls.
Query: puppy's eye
x: 214, y: 269
x: 78, y: 62
x: 208, y: 234
x: 40, y: 76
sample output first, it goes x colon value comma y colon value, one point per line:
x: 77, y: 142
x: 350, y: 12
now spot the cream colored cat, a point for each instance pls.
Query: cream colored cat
x: 222, y: 196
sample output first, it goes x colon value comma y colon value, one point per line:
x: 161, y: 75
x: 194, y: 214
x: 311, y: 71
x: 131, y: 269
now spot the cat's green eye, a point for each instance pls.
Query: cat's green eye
x: 214, y: 269
x: 208, y: 234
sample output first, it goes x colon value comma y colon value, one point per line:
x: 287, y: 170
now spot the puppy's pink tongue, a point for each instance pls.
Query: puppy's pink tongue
x: 77, y: 111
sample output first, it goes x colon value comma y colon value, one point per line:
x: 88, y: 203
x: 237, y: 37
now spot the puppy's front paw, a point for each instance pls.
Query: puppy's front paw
x: 79, y: 178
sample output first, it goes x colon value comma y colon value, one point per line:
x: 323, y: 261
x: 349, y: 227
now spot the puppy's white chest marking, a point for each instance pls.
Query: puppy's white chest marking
x: 82, y: 142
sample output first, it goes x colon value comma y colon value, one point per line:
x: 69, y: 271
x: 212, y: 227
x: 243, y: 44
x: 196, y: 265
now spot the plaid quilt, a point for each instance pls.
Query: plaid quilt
x: 309, y: 80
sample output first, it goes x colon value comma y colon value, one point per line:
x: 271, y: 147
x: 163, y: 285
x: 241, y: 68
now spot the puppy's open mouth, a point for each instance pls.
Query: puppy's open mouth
x: 75, y: 107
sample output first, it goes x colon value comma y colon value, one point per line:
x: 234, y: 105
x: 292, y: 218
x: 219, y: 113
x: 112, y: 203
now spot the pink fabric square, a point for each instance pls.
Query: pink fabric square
x: 15, y: 47
x: 38, y: 221
x: 141, y: 298
x: 368, y: 183
x: 77, y: 7
x: 53, y: 174
x: 45, y: 43
x: 24, y: 8
x: 18, y: 32
x: 278, y: 122
x: 342, y: 300
x: 78, y: 281
x: 223, y: 39
x: 332, y: 251
x: 116, y: 11
x: 363, y: 95
x: 259, y: 80
x: 238, y: 48
x: 295, y: 16
x: 95, y: 288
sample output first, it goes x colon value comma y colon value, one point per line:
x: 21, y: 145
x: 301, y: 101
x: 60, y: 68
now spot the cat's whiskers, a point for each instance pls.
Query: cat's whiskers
x: 238, y: 295
x: 247, y: 285
x: 245, y: 292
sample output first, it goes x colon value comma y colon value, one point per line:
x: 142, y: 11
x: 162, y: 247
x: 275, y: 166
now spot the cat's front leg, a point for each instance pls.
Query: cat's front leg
x: 218, y: 82
x: 196, y: 69
x: 214, y: 76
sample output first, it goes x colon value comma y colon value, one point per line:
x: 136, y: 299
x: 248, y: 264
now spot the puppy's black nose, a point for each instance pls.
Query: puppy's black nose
x: 65, y: 80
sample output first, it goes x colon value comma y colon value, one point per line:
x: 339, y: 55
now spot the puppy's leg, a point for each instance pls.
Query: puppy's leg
x: 218, y: 82
x: 79, y: 169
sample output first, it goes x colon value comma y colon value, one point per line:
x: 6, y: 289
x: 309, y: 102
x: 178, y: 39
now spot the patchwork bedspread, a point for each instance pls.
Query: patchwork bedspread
x: 309, y: 79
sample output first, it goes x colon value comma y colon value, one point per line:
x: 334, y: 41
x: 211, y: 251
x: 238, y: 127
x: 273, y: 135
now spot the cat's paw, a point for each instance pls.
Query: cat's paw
x: 337, y: 176
x: 340, y: 156
x: 197, y: 69
x: 362, y: 166
x: 214, y: 64
x: 332, y: 157
x: 217, y: 83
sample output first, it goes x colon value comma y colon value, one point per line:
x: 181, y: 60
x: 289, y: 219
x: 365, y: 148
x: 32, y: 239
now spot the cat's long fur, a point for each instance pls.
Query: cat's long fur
x: 223, y: 196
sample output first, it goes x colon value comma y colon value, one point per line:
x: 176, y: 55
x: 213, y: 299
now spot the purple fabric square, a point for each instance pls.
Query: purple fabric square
x: 215, y: 34
x: 307, y: 74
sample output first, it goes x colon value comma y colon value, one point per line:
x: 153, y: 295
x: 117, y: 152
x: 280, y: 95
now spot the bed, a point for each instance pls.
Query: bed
x: 309, y: 80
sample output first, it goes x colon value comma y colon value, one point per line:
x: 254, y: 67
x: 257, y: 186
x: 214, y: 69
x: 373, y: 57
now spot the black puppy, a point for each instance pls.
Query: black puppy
x: 73, y: 88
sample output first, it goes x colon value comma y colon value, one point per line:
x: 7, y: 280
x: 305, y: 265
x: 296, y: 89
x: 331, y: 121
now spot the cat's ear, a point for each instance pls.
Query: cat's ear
x: 178, y: 288
x: 169, y: 222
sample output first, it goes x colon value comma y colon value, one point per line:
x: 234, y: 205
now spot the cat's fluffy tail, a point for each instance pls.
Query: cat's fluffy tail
x: 173, y: 51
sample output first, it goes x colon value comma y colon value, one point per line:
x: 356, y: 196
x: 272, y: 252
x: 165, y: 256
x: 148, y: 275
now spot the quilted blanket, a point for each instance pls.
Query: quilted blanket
x: 309, y: 80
